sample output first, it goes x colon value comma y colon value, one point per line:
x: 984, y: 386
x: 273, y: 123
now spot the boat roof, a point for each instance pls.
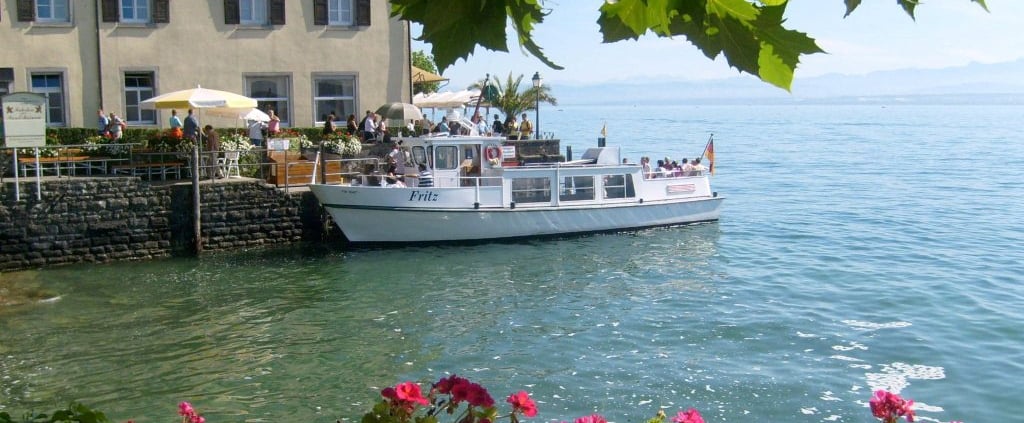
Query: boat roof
x: 442, y: 139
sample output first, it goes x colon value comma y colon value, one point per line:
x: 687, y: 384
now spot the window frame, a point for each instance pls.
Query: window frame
x: 139, y: 112
x: 135, y: 11
x: 333, y: 9
x: 531, y: 190
x: 253, y: 6
x: 61, y: 74
x: 576, y: 188
x: 316, y: 78
x: 51, y: 20
x: 286, y: 118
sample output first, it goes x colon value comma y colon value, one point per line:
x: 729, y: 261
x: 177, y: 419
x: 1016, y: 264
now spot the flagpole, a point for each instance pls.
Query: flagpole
x: 711, y: 138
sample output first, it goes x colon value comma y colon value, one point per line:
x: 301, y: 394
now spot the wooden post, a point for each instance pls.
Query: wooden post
x: 196, y: 223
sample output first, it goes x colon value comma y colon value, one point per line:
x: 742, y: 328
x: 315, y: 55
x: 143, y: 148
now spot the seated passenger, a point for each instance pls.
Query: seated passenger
x: 687, y: 168
x: 698, y: 169
x: 392, y: 181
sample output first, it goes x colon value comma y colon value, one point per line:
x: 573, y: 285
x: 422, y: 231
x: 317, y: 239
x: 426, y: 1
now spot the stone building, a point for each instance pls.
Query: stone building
x: 303, y: 58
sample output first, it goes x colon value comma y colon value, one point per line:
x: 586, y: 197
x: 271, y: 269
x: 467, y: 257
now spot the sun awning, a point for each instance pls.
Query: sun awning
x: 420, y: 76
x: 445, y: 100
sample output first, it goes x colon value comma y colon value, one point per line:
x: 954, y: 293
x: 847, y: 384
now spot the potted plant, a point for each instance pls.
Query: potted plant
x: 341, y: 146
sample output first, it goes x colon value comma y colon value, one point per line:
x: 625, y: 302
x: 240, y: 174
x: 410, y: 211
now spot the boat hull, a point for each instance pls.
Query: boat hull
x: 362, y: 223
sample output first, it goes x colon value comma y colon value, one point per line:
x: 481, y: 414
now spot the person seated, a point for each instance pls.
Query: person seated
x: 698, y: 169
x: 426, y: 177
x: 664, y: 169
x: 392, y: 181
x: 687, y: 168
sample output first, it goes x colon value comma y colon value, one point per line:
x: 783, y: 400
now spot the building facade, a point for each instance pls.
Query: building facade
x: 302, y: 58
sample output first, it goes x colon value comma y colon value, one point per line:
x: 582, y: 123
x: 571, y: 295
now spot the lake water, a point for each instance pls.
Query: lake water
x: 860, y: 247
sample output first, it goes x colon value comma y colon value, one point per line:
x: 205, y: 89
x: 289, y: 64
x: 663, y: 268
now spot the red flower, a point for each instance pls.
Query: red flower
x: 688, y: 416
x: 445, y: 385
x: 389, y: 393
x: 890, y: 407
x: 593, y: 418
x: 185, y: 409
x: 521, y: 402
x: 410, y: 392
x: 478, y: 396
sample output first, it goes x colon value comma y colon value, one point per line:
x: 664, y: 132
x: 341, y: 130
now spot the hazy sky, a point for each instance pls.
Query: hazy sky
x: 878, y: 36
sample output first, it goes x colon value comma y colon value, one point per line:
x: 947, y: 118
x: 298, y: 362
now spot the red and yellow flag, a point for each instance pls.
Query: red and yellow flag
x: 709, y: 152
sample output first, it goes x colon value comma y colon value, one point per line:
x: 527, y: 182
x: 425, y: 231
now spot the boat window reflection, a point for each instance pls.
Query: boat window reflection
x: 531, y: 190
x: 446, y: 157
x: 419, y: 155
x: 577, y: 188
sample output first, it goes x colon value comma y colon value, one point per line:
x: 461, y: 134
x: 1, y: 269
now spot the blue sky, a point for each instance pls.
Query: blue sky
x: 878, y: 36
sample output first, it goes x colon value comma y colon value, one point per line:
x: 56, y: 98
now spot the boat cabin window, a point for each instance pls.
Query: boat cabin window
x: 446, y: 157
x: 531, y: 190
x: 419, y: 155
x: 618, y: 186
x: 576, y: 188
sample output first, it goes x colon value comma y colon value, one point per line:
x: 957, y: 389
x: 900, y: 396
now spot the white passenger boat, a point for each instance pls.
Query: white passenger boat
x: 478, y: 194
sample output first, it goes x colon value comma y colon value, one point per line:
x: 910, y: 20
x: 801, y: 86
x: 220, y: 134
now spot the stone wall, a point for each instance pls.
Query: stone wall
x: 107, y: 219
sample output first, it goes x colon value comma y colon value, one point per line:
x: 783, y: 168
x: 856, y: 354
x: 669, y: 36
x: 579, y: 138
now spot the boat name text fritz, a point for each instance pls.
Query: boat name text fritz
x: 423, y: 196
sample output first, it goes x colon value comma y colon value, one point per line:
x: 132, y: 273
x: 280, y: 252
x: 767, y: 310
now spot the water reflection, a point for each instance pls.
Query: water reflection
x: 312, y: 334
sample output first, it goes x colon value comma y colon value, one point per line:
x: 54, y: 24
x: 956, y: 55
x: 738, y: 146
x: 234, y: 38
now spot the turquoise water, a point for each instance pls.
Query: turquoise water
x: 860, y: 248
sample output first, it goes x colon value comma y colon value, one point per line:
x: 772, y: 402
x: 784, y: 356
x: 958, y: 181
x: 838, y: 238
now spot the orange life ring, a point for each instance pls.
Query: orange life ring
x: 492, y: 152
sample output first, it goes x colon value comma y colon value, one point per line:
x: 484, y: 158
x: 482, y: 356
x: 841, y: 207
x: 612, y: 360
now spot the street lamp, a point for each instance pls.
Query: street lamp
x: 537, y: 81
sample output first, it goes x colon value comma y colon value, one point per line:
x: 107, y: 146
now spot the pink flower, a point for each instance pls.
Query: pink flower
x: 688, y: 416
x: 185, y: 409
x: 521, y: 402
x: 410, y: 392
x: 198, y: 419
x: 593, y: 418
x: 890, y: 407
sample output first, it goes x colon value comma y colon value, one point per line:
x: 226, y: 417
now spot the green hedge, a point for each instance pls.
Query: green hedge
x: 77, y: 136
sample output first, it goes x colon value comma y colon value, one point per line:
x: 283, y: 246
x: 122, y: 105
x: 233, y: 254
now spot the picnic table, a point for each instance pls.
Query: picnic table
x: 69, y: 164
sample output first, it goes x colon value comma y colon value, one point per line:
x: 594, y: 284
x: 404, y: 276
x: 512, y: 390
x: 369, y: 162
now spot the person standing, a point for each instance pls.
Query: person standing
x: 525, y: 128
x: 256, y: 133
x: 329, y: 124
x: 497, y: 128
x: 191, y: 126
x: 212, y: 147
x: 512, y: 128
x: 103, y: 124
x: 274, y: 126
x: 115, y: 127
x: 351, y: 125
x: 175, y: 123
x: 369, y: 127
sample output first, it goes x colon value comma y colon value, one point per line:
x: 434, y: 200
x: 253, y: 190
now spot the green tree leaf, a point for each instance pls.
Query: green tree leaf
x: 749, y: 33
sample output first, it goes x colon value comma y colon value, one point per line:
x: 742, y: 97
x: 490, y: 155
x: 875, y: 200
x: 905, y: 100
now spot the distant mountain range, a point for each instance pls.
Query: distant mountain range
x: 1001, y: 83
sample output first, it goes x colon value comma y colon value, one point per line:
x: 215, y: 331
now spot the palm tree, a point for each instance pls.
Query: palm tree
x: 512, y: 102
